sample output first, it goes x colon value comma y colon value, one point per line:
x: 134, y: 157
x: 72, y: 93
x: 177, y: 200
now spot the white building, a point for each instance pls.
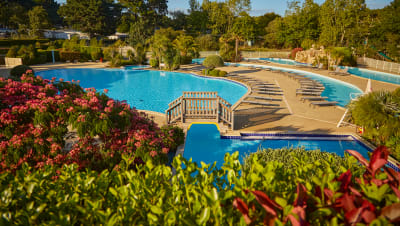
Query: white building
x: 64, y: 34
x: 117, y: 36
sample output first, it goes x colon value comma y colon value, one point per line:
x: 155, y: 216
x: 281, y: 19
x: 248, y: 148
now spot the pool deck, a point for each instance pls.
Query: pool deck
x: 292, y: 115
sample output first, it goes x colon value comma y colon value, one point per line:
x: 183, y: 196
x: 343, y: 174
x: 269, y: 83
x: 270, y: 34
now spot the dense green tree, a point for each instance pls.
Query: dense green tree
x: 162, y: 48
x: 197, y: 20
x: 51, y: 8
x: 179, y: 20
x: 243, y: 29
x: 38, y: 19
x: 96, y: 17
x: 261, y: 22
x: 341, y: 21
x: 220, y: 17
x: 143, y: 16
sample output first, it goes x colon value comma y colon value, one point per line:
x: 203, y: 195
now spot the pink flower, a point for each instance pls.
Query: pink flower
x: 105, y: 90
x: 61, y: 80
x: 153, y: 153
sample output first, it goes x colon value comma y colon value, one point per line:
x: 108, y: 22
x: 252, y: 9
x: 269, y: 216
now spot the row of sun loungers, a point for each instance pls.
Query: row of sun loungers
x: 339, y: 71
x: 260, y: 88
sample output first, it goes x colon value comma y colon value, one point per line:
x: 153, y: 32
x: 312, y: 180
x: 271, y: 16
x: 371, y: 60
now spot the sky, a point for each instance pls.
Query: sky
x: 260, y: 7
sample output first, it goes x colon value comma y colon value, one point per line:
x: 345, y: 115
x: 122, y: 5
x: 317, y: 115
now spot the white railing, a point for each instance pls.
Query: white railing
x: 200, y: 105
x: 380, y: 64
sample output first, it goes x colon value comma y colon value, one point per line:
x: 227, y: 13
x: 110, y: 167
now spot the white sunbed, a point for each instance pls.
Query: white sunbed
x: 263, y: 98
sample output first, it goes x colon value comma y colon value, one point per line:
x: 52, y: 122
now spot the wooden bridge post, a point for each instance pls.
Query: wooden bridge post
x: 217, y: 111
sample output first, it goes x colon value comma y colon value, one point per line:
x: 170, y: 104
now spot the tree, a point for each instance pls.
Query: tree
x: 96, y: 17
x: 242, y: 29
x: 162, y: 48
x: 341, y: 21
x: 38, y: 19
x: 186, y: 45
x: 146, y: 15
x: 179, y: 20
x: 261, y: 22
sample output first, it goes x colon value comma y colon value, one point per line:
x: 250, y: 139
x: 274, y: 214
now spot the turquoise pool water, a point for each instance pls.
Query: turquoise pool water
x: 365, y: 73
x: 335, y: 90
x: 133, y: 67
x: 198, y: 60
x: 375, y: 75
x: 144, y: 89
x: 282, y: 61
x: 204, y: 144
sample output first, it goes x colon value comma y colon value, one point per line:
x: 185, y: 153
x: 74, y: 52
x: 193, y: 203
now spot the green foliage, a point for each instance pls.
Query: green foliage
x: 343, y: 56
x: 17, y: 71
x: 213, y: 61
x: 93, y: 17
x: 293, y: 158
x: 207, y: 42
x: 227, y: 52
x: 378, y: 113
x: 20, y: 42
x: 69, y: 56
x: 12, y: 52
x: 38, y: 19
x: 154, y: 63
x: 194, y: 194
x: 214, y: 72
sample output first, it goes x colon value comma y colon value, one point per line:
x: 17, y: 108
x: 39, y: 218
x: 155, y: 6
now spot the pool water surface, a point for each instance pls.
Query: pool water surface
x: 146, y: 89
x: 204, y: 144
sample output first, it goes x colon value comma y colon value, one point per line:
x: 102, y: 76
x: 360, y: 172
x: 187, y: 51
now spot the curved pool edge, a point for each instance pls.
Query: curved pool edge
x: 302, y: 71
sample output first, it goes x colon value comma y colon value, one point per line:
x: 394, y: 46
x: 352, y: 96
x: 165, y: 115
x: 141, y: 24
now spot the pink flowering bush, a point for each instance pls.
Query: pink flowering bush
x: 36, y: 114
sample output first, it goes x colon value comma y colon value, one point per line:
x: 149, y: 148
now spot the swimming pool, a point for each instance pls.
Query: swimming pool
x: 375, y: 75
x: 204, y: 144
x: 335, y: 90
x: 134, y: 67
x: 198, y: 60
x: 365, y: 73
x: 145, y: 89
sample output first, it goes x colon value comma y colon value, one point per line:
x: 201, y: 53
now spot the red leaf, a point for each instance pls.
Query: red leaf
x: 395, y: 190
x: 392, y: 212
x: 354, y: 216
x: 359, y: 157
x: 242, y: 207
x: 393, y: 175
x: 378, y: 159
x: 301, y: 213
x: 368, y: 216
x: 346, y: 202
x: 269, y: 220
x: 345, y: 180
x: 377, y: 182
x: 301, y: 199
x: 294, y: 220
x: 328, y: 193
x: 355, y: 191
x: 266, y: 202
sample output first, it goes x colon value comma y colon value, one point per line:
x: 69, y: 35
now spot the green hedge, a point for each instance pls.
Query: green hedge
x: 48, y: 54
x: 214, y: 72
x: 12, y: 42
x: 69, y: 55
x: 213, y: 61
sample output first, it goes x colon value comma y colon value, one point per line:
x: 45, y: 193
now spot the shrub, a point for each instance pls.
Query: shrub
x: 20, y: 42
x: 287, y: 156
x: 213, y: 61
x: 343, y: 56
x: 69, y: 56
x: 12, y: 52
x: 222, y: 73
x: 17, y: 71
x: 186, y: 59
x: 294, y: 52
x: 227, y: 52
x: 36, y: 114
x: 152, y: 194
x: 154, y: 63
x: 214, y: 73
x: 377, y: 113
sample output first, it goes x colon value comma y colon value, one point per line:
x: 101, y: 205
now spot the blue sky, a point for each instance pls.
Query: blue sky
x: 260, y: 7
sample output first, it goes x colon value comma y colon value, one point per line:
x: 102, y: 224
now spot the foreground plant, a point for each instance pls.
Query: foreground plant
x: 152, y: 194
x: 37, y: 115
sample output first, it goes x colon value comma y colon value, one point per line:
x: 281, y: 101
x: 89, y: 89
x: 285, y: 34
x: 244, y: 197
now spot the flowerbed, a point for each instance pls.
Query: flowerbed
x: 36, y: 115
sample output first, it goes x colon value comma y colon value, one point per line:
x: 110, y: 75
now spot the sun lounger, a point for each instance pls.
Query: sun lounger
x: 313, y: 98
x: 319, y: 67
x: 308, y: 93
x: 323, y: 103
x: 262, y: 98
x: 260, y: 103
x: 339, y: 71
x: 267, y: 92
x: 309, y: 90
